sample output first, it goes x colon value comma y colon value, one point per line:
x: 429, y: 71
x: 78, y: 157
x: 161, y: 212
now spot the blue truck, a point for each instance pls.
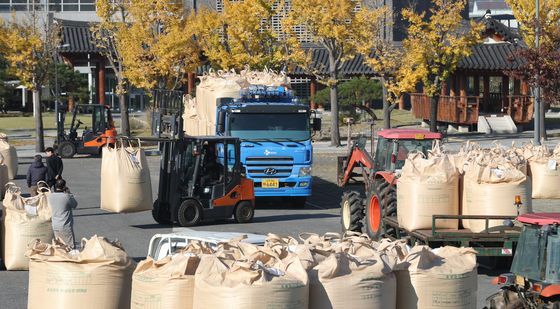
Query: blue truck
x: 276, y: 149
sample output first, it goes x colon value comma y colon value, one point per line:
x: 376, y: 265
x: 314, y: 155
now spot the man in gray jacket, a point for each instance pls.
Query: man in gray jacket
x: 62, y: 202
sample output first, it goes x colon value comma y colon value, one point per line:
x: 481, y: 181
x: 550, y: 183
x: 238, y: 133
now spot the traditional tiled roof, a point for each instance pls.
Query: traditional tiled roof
x: 492, y: 57
x: 495, y: 26
x: 78, y: 36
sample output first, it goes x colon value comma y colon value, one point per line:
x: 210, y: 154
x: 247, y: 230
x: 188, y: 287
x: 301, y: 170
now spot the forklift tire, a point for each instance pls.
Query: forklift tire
x: 244, y: 212
x: 189, y: 213
x: 158, y: 215
x: 66, y: 149
x: 351, y: 212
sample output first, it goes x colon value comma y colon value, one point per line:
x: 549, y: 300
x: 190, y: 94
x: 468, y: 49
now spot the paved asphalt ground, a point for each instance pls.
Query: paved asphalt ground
x: 320, y: 215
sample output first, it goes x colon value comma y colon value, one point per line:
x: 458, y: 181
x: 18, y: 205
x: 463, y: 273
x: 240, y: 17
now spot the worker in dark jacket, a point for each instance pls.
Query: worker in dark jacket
x: 37, y: 172
x: 54, y: 166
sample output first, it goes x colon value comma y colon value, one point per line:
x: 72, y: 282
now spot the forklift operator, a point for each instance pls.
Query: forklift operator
x: 212, y: 170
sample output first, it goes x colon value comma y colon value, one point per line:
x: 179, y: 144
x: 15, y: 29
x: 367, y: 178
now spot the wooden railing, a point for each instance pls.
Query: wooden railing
x: 451, y: 109
x: 465, y: 110
x: 520, y: 108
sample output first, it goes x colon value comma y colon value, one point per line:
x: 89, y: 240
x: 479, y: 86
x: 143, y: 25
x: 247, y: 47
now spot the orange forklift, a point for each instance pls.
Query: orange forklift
x: 92, y: 140
x: 201, y: 177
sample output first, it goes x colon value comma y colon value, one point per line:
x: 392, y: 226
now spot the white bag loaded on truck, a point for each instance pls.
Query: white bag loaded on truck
x: 10, y: 156
x: 125, y: 179
x: 446, y: 278
x: 490, y: 185
x: 261, y: 280
x: 427, y: 187
x: 200, y: 112
x: 25, y: 220
x: 168, y: 282
x: 347, y: 272
x: 97, y: 277
x: 544, y: 169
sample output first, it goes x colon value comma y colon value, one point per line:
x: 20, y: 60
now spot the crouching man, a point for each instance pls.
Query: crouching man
x: 62, y: 202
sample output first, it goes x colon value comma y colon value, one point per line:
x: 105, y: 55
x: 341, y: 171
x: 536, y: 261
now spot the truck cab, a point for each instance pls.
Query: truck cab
x: 275, y: 133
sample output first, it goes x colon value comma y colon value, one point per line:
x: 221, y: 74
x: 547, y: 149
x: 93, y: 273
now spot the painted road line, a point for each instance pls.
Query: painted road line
x: 315, y: 205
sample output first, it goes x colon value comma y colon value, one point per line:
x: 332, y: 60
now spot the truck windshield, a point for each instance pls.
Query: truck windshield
x: 281, y: 126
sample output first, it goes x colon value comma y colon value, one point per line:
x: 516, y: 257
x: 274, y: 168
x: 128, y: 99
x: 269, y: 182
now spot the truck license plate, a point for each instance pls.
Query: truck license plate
x: 270, y: 183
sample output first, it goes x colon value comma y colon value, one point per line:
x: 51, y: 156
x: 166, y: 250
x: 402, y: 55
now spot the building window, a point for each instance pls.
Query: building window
x: 54, y: 5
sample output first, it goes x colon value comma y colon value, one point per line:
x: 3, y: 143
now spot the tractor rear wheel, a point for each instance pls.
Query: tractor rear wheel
x: 351, y: 212
x: 380, y: 203
x: 189, y: 213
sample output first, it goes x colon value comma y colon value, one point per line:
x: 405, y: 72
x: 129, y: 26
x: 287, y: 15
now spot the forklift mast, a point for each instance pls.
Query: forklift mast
x: 167, y: 127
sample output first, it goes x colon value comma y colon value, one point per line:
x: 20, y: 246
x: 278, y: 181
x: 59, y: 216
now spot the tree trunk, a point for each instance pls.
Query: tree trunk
x: 433, y: 112
x: 386, y: 109
x: 39, y: 138
x: 125, y: 124
x: 335, y: 134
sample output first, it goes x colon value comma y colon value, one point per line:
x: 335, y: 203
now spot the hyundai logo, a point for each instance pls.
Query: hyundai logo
x: 270, y: 171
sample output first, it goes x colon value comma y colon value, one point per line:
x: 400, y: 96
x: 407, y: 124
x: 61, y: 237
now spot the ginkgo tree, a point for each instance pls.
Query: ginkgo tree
x: 107, y: 37
x: 158, y: 47
x: 435, y: 44
x: 340, y: 27
x: 541, y: 65
x: 244, y: 35
x: 29, y: 46
x: 385, y: 58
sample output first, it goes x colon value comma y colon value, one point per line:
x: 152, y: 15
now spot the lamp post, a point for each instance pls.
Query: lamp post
x: 56, y: 87
x: 537, y: 90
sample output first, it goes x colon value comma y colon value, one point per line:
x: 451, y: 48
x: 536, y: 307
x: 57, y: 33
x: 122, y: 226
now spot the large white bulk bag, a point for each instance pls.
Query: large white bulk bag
x: 258, y: 281
x: 489, y: 188
x: 427, y: 187
x: 10, y: 156
x: 25, y: 220
x: 345, y: 281
x: 167, y: 283
x: 447, y: 279
x: 544, y: 171
x: 125, y: 180
x: 98, y: 276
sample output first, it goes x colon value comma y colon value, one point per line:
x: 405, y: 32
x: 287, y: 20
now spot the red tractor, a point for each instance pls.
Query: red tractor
x: 378, y: 173
x: 534, y: 277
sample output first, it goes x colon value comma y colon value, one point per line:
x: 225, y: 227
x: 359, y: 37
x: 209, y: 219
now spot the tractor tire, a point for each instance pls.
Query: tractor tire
x: 66, y: 149
x: 244, y: 212
x: 159, y: 215
x: 351, y: 212
x: 380, y: 203
x: 189, y: 213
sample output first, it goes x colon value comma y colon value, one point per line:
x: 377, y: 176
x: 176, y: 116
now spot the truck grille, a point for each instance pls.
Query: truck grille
x: 269, y: 167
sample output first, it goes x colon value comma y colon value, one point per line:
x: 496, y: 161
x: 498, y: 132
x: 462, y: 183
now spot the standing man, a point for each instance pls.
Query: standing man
x: 36, y: 172
x: 54, y: 166
x: 62, y: 202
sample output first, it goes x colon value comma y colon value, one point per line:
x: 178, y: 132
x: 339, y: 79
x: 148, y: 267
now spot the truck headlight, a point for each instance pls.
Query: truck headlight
x: 304, y: 171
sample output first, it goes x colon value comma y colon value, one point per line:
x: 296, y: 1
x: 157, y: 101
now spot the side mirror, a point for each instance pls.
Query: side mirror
x: 221, y: 121
x: 316, y: 124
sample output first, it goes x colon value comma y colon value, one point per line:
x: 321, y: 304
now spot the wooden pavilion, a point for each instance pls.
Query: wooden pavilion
x: 480, y: 85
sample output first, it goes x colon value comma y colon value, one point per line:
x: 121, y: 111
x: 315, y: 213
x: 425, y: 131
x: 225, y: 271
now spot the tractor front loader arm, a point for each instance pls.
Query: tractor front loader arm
x: 358, y: 157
